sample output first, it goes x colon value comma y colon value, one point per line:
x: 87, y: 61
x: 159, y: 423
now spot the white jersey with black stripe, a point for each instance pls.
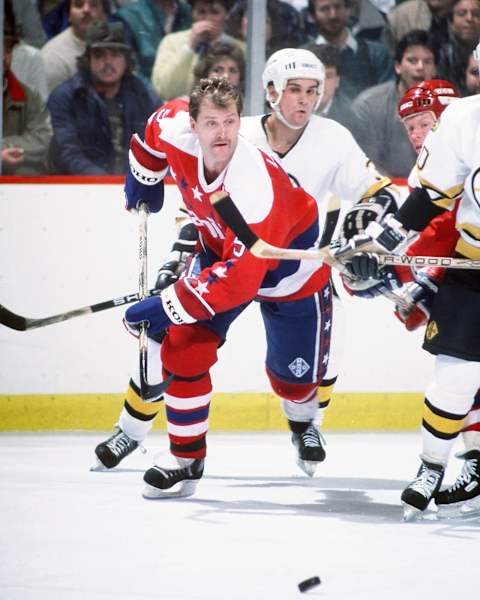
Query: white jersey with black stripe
x: 326, y: 161
x: 449, y: 165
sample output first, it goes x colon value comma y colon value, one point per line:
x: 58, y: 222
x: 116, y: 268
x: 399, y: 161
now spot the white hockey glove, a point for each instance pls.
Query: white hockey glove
x: 382, y: 238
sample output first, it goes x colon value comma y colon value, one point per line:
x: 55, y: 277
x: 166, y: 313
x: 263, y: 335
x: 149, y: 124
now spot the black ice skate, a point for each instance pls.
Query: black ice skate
x: 462, y: 498
x: 416, y: 496
x: 111, y: 452
x: 173, y: 483
x: 310, y: 450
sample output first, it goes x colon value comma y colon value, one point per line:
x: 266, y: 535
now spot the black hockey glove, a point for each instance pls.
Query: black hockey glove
x: 182, y: 249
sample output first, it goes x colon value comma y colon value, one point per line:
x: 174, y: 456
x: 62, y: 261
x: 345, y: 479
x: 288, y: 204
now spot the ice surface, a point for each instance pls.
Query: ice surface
x: 255, y: 528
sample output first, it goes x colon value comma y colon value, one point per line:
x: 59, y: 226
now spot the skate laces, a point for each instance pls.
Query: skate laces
x: 312, y: 436
x: 426, y: 481
x: 189, y: 471
x: 171, y: 473
x: 120, y: 444
x: 469, y: 470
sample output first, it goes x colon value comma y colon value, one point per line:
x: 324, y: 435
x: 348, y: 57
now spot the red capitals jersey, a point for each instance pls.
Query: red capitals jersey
x: 278, y: 212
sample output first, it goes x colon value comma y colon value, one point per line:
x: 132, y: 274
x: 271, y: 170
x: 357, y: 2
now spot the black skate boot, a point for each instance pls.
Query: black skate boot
x: 112, y: 451
x: 462, y: 498
x: 416, y: 496
x: 309, y: 445
x: 173, y: 483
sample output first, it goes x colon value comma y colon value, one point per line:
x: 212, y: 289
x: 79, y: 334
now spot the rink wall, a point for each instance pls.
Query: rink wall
x: 67, y: 243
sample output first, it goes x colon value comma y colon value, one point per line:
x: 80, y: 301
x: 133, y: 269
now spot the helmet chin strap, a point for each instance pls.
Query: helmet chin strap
x: 283, y: 120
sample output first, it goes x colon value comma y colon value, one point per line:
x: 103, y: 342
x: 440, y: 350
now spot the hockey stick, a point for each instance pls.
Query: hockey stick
x: 225, y: 207
x: 147, y: 392
x: 21, y: 323
x: 230, y: 214
x: 232, y: 217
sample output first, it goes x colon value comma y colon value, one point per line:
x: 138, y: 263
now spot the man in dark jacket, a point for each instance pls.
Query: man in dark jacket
x: 95, y: 112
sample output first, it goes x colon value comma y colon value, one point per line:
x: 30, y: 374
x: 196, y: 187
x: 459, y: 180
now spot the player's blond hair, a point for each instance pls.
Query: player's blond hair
x: 218, y: 91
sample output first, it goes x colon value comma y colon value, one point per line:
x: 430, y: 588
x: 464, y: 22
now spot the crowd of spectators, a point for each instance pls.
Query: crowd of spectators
x: 82, y: 75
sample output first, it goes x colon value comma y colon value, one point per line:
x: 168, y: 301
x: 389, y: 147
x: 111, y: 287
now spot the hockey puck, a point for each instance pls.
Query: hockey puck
x: 308, y: 584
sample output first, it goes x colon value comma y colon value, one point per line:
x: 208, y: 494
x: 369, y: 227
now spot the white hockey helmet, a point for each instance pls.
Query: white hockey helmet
x: 476, y: 54
x: 292, y: 63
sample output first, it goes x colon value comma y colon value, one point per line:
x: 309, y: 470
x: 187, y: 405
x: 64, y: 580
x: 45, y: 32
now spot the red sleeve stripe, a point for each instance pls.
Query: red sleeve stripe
x: 147, y: 157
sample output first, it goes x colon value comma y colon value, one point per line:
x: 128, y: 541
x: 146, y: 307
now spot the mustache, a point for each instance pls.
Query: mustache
x: 107, y: 69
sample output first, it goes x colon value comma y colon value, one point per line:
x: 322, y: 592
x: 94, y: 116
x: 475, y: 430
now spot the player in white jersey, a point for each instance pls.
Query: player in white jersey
x: 448, y: 165
x: 321, y: 156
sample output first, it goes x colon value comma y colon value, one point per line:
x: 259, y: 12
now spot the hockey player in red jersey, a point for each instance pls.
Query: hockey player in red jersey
x: 447, y: 166
x: 303, y: 373
x: 205, y: 154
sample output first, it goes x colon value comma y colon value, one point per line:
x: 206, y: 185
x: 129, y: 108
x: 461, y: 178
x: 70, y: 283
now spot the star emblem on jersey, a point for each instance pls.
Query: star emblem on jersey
x: 327, y: 325
x: 202, y: 288
x: 220, y: 272
x: 299, y: 367
x: 197, y: 194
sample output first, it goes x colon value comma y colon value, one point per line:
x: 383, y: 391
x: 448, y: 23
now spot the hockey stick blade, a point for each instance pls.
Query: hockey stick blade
x: 19, y: 323
x: 232, y: 217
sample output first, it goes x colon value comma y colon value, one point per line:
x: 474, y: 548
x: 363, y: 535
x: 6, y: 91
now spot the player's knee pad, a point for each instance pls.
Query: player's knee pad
x: 189, y: 350
x: 454, y: 385
x: 299, y: 401
x: 295, y: 392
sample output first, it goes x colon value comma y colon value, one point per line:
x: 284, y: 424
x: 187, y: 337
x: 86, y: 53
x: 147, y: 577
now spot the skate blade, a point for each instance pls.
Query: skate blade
x: 307, y: 466
x: 99, y: 466
x: 181, y: 490
x: 410, y: 513
x: 460, y: 510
